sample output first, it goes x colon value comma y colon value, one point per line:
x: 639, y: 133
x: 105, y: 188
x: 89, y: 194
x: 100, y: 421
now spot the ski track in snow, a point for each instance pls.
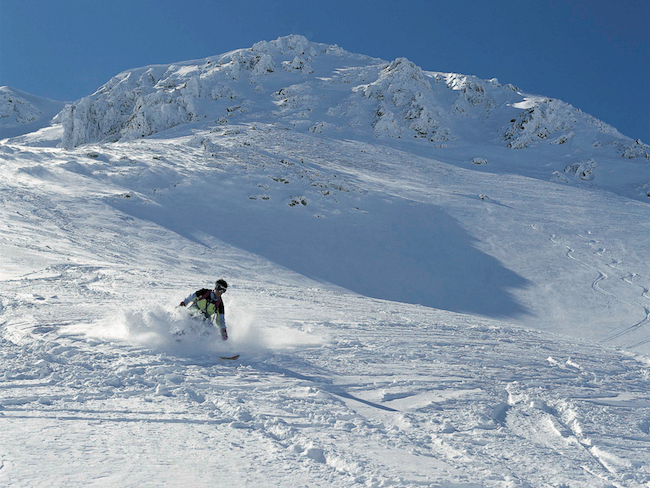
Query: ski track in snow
x: 447, y: 410
x: 596, y: 284
x: 333, y: 388
x: 625, y: 277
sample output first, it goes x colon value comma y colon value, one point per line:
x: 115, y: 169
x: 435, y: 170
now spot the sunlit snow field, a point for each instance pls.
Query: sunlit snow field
x: 439, y: 311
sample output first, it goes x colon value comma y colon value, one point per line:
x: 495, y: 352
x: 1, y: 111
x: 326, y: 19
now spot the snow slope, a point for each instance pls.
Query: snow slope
x: 408, y: 314
x: 23, y: 113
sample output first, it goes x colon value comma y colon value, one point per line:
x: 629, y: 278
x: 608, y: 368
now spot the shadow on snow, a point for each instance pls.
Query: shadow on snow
x: 398, y: 250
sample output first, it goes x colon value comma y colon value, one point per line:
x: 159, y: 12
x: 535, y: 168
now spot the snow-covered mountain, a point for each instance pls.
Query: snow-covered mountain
x: 320, y: 87
x: 436, y: 280
x: 22, y: 113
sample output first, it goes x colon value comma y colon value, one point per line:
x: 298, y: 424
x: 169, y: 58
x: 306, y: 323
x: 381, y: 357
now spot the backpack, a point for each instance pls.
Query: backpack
x: 201, y: 293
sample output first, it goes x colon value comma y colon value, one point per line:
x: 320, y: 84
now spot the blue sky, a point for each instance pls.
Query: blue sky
x: 594, y: 54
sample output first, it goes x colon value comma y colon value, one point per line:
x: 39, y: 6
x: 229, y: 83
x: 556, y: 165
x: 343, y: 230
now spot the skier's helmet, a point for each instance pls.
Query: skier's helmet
x: 221, y: 286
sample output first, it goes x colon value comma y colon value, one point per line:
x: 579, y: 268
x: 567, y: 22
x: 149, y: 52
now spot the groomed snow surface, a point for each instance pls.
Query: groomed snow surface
x: 413, y: 305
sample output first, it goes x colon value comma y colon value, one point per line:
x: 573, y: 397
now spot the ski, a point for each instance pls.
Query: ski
x: 230, y: 358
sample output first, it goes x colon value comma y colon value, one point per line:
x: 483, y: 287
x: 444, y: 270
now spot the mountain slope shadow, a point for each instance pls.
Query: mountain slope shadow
x: 398, y: 250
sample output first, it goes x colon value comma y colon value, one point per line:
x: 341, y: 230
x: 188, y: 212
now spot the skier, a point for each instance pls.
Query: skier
x: 209, y: 304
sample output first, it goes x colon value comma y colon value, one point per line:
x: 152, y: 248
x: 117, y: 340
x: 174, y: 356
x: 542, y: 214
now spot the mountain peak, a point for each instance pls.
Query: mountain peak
x: 318, y: 87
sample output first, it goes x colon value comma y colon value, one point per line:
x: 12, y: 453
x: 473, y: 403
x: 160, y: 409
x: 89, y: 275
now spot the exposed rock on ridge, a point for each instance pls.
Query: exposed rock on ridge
x: 317, y: 87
